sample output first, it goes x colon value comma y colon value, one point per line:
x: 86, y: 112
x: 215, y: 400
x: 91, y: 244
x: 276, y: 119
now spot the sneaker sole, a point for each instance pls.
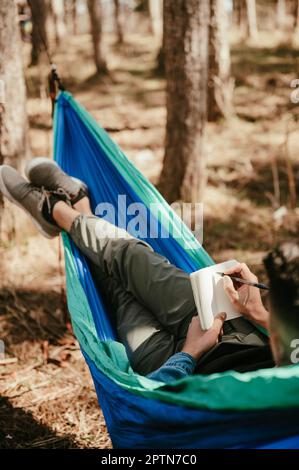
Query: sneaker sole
x: 36, y: 162
x: 40, y: 160
x: 7, y: 194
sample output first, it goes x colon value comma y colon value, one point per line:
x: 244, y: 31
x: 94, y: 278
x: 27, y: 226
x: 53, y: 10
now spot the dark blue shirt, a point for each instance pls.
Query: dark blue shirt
x: 177, y: 367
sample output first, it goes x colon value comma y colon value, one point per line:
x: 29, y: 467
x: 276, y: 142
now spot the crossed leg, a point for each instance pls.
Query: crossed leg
x: 150, y: 300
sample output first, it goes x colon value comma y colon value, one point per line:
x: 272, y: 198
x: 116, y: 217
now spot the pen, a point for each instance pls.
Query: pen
x: 259, y: 285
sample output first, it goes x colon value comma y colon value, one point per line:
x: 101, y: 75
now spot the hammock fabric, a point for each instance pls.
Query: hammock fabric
x: 230, y: 410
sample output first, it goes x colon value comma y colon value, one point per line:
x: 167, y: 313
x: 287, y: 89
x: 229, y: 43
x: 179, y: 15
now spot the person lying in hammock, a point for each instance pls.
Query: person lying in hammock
x: 151, y: 301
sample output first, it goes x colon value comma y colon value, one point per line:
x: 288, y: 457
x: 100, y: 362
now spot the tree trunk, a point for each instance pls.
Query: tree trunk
x: 94, y: 9
x: 156, y: 12
x: 252, y: 19
x: 295, y: 14
x: 118, y: 22
x: 186, y: 31
x: 39, y: 31
x: 281, y: 14
x: 58, y: 12
x: 14, y: 141
x: 240, y: 13
x: 74, y: 16
x: 221, y: 84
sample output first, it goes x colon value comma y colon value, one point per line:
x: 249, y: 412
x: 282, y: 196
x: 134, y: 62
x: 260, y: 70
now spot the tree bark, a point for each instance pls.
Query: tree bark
x: 58, y: 12
x: 39, y: 31
x: 94, y: 9
x: 14, y: 140
x: 186, y: 31
x: 118, y: 22
x: 252, y: 19
x: 240, y: 13
x: 281, y: 13
x: 221, y: 84
x: 297, y: 17
x: 74, y: 16
x: 156, y: 12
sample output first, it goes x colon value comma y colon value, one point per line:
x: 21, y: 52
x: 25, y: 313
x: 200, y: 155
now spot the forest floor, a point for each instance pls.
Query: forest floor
x: 47, y: 396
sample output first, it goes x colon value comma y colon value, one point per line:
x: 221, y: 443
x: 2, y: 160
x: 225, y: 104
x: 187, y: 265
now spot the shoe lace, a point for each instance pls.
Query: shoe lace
x: 46, y: 194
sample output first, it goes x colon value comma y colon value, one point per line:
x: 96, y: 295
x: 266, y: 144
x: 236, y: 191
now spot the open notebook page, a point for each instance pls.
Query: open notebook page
x: 209, y: 294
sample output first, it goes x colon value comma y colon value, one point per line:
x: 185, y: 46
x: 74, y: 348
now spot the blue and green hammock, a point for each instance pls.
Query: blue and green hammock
x: 228, y: 410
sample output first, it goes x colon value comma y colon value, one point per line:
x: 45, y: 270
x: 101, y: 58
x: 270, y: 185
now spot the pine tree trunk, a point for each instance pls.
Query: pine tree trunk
x: 118, y: 22
x: 39, y: 31
x: 14, y: 141
x: 156, y: 12
x: 240, y: 13
x: 221, y: 84
x: 252, y: 19
x: 74, y: 16
x: 94, y: 9
x: 186, y: 31
x: 57, y: 7
x: 297, y: 17
x: 281, y: 13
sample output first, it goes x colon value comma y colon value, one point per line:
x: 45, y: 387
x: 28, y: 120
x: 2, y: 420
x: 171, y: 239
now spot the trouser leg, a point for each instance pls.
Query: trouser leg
x: 159, y: 286
x: 147, y: 342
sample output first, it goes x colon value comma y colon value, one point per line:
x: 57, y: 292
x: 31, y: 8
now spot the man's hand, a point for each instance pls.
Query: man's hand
x: 198, y: 341
x: 246, y: 299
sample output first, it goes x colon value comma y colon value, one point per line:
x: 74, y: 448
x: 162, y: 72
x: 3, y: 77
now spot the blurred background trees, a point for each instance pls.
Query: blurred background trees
x: 221, y: 83
x: 39, y: 12
x: 118, y: 22
x: 95, y: 17
x: 199, y: 84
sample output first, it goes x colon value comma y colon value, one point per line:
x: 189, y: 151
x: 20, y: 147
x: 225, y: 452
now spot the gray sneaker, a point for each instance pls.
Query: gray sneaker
x: 29, y: 198
x: 44, y: 172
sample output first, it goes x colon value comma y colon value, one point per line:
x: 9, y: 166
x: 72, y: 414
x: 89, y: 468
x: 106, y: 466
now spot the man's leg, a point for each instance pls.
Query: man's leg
x: 148, y: 343
x: 139, y: 329
x: 160, y: 287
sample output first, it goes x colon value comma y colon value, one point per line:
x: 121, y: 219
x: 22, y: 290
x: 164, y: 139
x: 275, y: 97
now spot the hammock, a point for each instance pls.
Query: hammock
x: 230, y: 410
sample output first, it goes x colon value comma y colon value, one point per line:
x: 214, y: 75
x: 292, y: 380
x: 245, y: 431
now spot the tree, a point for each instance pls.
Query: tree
x: 39, y: 12
x: 221, y: 84
x: 74, y: 16
x: 281, y: 14
x: 155, y: 10
x: 240, y: 13
x: 297, y: 17
x: 94, y: 9
x: 14, y: 141
x: 186, y: 30
x: 252, y: 19
x: 118, y: 22
x: 58, y: 13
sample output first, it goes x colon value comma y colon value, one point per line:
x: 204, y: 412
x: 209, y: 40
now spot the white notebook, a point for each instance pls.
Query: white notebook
x: 209, y: 295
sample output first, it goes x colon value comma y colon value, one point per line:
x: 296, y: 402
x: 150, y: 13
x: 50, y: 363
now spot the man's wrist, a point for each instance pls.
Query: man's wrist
x: 262, y: 318
x: 193, y: 352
